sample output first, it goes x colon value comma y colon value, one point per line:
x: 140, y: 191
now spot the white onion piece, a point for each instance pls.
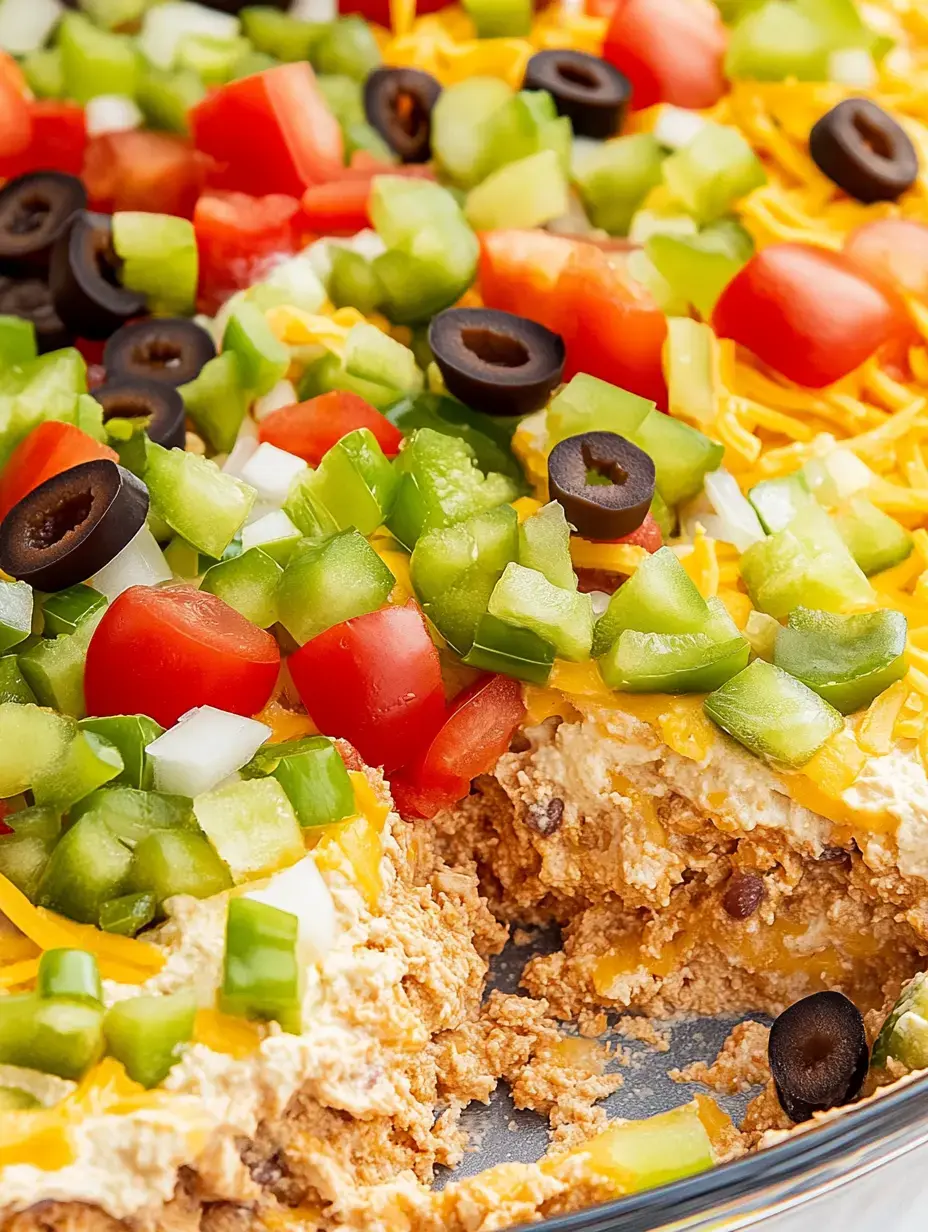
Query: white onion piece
x: 283, y: 394
x: 366, y: 243
x: 314, y: 10
x: 165, y: 25
x: 761, y: 631
x: 202, y: 749
x: 271, y: 528
x: 837, y: 476
x: 26, y: 24
x: 111, y: 113
x: 599, y: 601
x: 140, y: 563
x: 740, y: 524
x: 676, y: 127
x: 852, y: 66
x: 271, y: 471
x: 299, y: 280
x: 242, y: 451
x: 583, y: 152
x: 301, y: 890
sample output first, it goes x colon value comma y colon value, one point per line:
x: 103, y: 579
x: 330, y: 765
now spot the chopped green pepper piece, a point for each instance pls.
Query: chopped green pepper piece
x: 249, y: 583
x: 158, y: 253
x: 848, y: 660
x: 217, y: 401
x: 132, y: 814
x: 544, y: 544
x: 88, y: 762
x: 500, y: 647
x: 346, y: 47
x: 24, y: 853
x: 199, y: 502
x: 131, y: 734
x: 659, y: 597
x: 53, y: 1036
x: 587, y: 404
x: 71, y: 974
x: 166, y: 97
x: 713, y: 171
x: 500, y: 18
x: 213, y: 59
x: 699, y: 267
x: 44, y: 72
x: 64, y: 611
x: 775, y: 42
x: 526, y: 193
x: 93, y: 61
x: 47, y: 388
x: 329, y: 373
x: 352, y: 282
x: 779, y: 501
x: 490, y: 440
x: 54, y: 669
x: 275, y: 534
x: 15, y: 613
x: 525, y: 598
x: 615, y: 179
x: 263, y: 358
x: 314, y: 777
x: 904, y: 1035
x: 526, y: 123
x: 15, y: 1099
x: 252, y: 826
x: 329, y: 581
x: 682, y: 455
x: 639, y: 1155
x: 17, y: 340
x: 128, y: 914
x: 373, y: 355
x: 458, y: 134
x: 673, y: 662
x: 876, y: 540
x: 261, y: 973
x: 354, y: 484
x: 32, y: 741
x: 279, y: 34
x: 169, y: 862
x: 147, y: 1034
x: 88, y: 866
x: 773, y: 715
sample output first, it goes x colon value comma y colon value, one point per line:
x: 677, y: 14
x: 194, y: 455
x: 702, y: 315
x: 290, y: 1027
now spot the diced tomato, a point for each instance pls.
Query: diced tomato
x: 476, y: 733
x: 670, y: 50
x: 15, y: 110
x: 892, y: 252
x: 807, y: 313
x: 58, y: 139
x: 647, y: 536
x: 519, y: 272
x: 310, y: 429
x: 339, y: 208
x: 376, y: 681
x: 238, y: 237
x: 599, y: 8
x: 272, y: 132
x: 49, y: 449
x: 140, y: 170
x: 162, y: 652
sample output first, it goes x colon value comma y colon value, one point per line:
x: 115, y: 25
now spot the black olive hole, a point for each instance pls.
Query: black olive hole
x: 157, y: 353
x: 577, y: 75
x: 30, y: 215
x: 876, y: 141
x: 497, y: 350
x: 411, y: 116
x: 104, y: 256
x: 602, y: 472
x: 127, y: 406
x: 817, y: 1049
x: 51, y: 526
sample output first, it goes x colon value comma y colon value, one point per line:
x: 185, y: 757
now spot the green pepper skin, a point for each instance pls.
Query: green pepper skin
x: 54, y: 1036
x: 130, y: 733
x: 261, y: 972
x: 128, y: 914
x: 70, y: 974
x: 170, y: 862
x: 313, y: 775
x: 148, y: 1034
x: 904, y: 1035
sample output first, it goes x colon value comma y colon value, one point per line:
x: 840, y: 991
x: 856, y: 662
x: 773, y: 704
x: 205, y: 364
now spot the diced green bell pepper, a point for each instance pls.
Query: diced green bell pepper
x: 44, y: 72
x: 348, y: 47
x: 329, y: 581
x: 263, y: 358
x: 128, y: 914
x: 217, y: 400
x: 329, y: 373
x: 876, y: 540
x: 614, y: 180
x: 457, y: 125
x: 699, y: 267
x: 52, y: 1036
x: 169, y: 862
x: 587, y: 404
x: 93, y: 61
x: 675, y: 662
x: 70, y: 974
x: 88, y: 866
x: 682, y: 455
x: 131, y: 734
x: 252, y: 63
x: 773, y: 715
x: 500, y: 647
x: 15, y: 1099
x: 158, y: 253
x: 523, y: 125
x: 32, y: 741
x: 147, y: 1034
x: 544, y: 544
x: 15, y: 613
x: 525, y: 598
x: 54, y: 668
x: 439, y: 484
x: 17, y: 340
x: 166, y: 97
x: 354, y: 484
x: 713, y: 171
x: 13, y: 686
x: 500, y: 18
x: 66, y: 609
x: 637, y: 1155
x: 24, y: 853
x: 199, y: 502
x: 526, y: 193
x: 775, y: 42
x: 279, y: 34
x: 659, y: 597
x: 373, y: 355
x: 261, y: 971
x: 313, y: 775
x: 490, y: 440
x: 848, y: 660
x: 132, y: 814
x: 904, y: 1035
x: 47, y: 388
x: 252, y: 826
x: 214, y: 60
x: 88, y: 762
x: 249, y: 583
x: 352, y: 282
x: 692, y: 379
x: 778, y: 502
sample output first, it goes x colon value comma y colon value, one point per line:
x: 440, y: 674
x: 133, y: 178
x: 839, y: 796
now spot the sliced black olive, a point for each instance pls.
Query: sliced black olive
x: 35, y: 209
x: 160, y: 405
x: 84, y: 279
x: 31, y: 298
x: 398, y: 103
x: 72, y: 525
x: 604, y: 482
x: 590, y: 91
x: 818, y: 1054
x: 496, y: 362
x: 864, y: 151
x: 171, y: 350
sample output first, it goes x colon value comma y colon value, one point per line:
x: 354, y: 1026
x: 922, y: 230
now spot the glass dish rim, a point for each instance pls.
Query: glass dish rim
x: 698, y: 1195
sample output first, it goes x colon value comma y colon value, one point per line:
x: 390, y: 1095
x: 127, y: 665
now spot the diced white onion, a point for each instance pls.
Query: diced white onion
x: 761, y: 631
x: 270, y: 528
x: 301, y: 890
x: 314, y: 10
x: 243, y: 449
x: 599, y: 600
x: 26, y: 24
x: 140, y: 563
x: 740, y: 525
x: 271, y: 471
x: 319, y: 257
x: 283, y: 394
x: 574, y: 222
x: 646, y: 223
x: 583, y: 151
x: 852, y: 66
x: 202, y: 749
x: 298, y: 278
x: 676, y: 127
x: 111, y: 113
x: 366, y: 243
x: 165, y: 25
x: 837, y: 476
